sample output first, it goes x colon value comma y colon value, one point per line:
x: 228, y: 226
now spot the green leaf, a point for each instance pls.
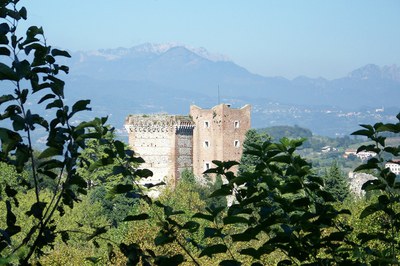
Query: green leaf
x: 210, y: 232
x: 228, y: 164
x: 365, y: 237
x: 375, y: 184
x: 9, y: 140
x: 223, y: 191
x: 50, y: 152
x: 6, y: 98
x: 23, y: 13
x: 4, y: 28
x: 5, y: 51
x: 120, y: 147
x: 80, y: 105
x: 11, y: 218
x: 251, y: 252
x: 163, y: 239
x: 191, y: 226
x: 150, y: 185
x: 55, y: 104
x: 46, y: 97
x: 369, y: 165
x: 97, y: 232
x: 37, y: 210
x: 14, y: 14
x: 6, y: 73
x: 281, y: 159
x: 285, y: 262
x: 235, y: 220
x: 230, y: 263
x: 121, y: 188
x: 143, y: 216
x: 57, y: 52
x: 144, y: 173
x: 33, y: 31
x: 383, y: 199
x: 203, y: 216
x: 302, y: 202
x: 10, y: 192
x: 64, y: 237
x: 363, y: 132
x: 371, y: 209
x: 243, y: 237
x: 214, y: 249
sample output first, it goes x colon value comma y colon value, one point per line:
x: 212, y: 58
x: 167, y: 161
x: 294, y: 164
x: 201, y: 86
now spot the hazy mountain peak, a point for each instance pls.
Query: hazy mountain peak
x: 391, y: 72
x: 366, y: 72
x: 155, y: 48
x: 372, y: 71
x: 151, y: 49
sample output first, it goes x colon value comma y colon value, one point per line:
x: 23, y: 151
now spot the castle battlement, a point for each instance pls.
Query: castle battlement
x: 157, y: 122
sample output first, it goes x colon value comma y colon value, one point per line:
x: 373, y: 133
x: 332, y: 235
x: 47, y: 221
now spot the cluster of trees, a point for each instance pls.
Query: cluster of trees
x: 78, y: 201
x: 313, y: 142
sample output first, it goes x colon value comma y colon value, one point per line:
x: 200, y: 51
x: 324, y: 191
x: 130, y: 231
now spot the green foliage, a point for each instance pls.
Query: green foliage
x: 336, y: 182
x: 80, y: 188
x: 385, y: 205
x: 248, y: 161
x: 284, y: 200
x: 29, y: 71
x: 279, y: 132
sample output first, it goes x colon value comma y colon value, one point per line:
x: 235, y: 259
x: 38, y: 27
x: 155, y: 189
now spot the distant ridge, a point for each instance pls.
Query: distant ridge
x: 152, y: 49
x: 169, y: 77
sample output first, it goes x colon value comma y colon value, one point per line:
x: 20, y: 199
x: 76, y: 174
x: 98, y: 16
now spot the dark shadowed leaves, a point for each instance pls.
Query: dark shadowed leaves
x: 214, y: 249
x: 138, y: 217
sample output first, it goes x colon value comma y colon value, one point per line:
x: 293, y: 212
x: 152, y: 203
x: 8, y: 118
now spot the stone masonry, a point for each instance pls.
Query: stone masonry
x: 219, y: 135
x: 164, y: 142
x: 171, y: 143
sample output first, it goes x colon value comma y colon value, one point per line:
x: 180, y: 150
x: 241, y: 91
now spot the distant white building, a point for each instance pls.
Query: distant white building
x: 394, y: 166
x: 363, y: 155
x: 326, y: 149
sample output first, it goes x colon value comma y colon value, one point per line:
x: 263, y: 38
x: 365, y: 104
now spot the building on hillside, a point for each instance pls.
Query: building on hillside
x: 171, y: 143
x: 394, y: 166
x: 363, y: 155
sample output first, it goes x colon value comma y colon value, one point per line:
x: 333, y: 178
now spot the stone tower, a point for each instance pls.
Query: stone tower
x: 171, y: 143
x: 219, y: 135
x: 164, y: 142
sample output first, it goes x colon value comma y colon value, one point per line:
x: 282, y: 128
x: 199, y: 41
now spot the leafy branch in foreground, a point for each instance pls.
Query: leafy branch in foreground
x: 29, y: 72
x: 283, y: 199
x: 386, y: 204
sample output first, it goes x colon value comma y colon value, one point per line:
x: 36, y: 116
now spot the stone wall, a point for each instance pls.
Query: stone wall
x: 184, y: 151
x: 154, y: 139
x: 219, y: 135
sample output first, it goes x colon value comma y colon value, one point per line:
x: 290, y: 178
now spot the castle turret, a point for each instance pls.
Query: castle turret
x: 219, y: 135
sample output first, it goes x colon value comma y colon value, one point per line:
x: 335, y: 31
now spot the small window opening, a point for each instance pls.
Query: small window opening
x: 236, y: 143
x: 236, y: 124
x: 206, y: 124
x: 206, y: 144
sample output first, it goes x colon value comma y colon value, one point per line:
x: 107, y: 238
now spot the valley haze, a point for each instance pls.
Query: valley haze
x: 168, y: 78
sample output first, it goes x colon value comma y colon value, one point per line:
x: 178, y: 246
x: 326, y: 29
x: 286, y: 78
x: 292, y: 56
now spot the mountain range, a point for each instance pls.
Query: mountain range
x: 153, y: 78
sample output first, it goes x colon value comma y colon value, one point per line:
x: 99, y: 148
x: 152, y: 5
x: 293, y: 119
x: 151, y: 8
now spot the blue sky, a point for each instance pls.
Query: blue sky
x: 272, y: 38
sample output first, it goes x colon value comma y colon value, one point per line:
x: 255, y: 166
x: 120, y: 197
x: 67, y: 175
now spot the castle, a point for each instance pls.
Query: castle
x: 170, y: 144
